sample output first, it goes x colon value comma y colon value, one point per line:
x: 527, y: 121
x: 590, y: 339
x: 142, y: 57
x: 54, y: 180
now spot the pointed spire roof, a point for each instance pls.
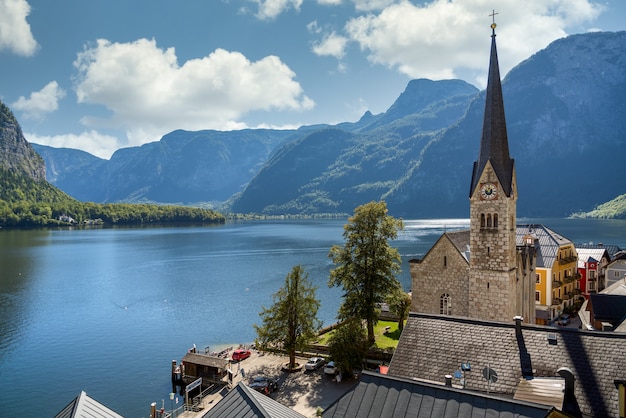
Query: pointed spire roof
x: 494, y: 144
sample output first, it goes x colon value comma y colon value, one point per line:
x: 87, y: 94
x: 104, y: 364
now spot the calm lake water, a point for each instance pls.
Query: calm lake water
x: 107, y: 310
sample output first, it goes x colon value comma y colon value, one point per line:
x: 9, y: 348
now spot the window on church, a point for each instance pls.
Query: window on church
x: 482, y: 220
x: 489, y: 221
x: 495, y: 220
x: 445, y: 261
x: 445, y: 304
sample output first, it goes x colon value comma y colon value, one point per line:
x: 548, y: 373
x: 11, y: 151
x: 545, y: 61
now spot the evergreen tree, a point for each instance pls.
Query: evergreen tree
x: 366, y: 264
x: 291, y: 322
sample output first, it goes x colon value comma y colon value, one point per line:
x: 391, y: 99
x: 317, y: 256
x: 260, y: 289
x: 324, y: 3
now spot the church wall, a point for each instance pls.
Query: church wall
x: 442, y: 271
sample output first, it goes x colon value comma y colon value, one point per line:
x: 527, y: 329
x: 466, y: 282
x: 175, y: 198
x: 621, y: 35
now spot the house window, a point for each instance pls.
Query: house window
x: 537, y: 278
x: 537, y: 296
x: 592, y: 274
x: 445, y: 304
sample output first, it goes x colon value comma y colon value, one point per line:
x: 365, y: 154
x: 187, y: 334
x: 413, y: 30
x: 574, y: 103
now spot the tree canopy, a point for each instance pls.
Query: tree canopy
x: 291, y: 322
x: 366, y: 264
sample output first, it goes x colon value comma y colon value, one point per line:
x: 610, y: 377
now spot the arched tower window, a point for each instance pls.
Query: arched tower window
x: 445, y: 304
x: 482, y: 220
x: 489, y: 220
x: 495, y: 220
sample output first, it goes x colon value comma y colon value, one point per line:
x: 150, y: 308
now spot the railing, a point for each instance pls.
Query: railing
x: 556, y: 301
x: 556, y: 283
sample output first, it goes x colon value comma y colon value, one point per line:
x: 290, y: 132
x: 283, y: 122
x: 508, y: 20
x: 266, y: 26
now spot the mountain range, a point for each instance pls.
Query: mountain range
x: 566, y: 118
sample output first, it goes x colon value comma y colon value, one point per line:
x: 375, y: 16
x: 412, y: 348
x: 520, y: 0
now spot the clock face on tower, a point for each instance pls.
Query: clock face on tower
x: 488, y: 191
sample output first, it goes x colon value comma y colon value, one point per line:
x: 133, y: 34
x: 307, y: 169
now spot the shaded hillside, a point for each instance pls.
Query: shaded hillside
x: 566, y: 120
x: 27, y: 199
x: 331, y: 169
x: 183, y: 167
x: 15, y: 153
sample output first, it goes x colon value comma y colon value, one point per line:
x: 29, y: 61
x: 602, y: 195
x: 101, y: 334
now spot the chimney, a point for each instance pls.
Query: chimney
x: 570, y: 404
x: 449, y: 380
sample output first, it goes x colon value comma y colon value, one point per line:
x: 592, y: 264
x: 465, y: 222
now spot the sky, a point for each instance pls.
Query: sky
x: 100, y: 75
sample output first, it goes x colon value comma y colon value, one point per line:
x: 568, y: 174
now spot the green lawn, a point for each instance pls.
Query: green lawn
x: 383, y: 340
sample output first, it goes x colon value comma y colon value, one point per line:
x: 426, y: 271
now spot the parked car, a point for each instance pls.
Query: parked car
x: 330, y: 368
x: 314, y: 363
x: 240, y: 354
x: 564, y: 319
x: 264, y: 384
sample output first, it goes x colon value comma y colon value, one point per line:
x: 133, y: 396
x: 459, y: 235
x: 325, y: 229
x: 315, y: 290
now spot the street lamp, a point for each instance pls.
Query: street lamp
x: 172, y: 402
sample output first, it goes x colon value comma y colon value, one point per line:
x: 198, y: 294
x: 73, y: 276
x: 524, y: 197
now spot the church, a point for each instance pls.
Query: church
x: 486, y: 272
x: 476, y: 294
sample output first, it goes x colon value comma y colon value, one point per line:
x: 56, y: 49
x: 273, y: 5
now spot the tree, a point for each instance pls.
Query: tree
x: 400, y: 305
x: 291, y: 322
x: 367, y: 264
x: 348, y: 346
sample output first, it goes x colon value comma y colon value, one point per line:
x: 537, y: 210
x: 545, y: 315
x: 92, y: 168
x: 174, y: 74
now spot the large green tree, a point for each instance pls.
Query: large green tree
x: 366, y: 264
x: 291, y: 322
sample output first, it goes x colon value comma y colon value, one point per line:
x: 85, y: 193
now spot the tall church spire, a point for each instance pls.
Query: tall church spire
x: 494, y: 145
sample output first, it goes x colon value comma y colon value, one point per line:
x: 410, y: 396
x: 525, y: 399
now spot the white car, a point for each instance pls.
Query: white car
x: 314, y: 363
x: 330, y: 368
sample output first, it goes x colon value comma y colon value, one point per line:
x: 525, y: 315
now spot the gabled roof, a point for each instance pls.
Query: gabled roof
x: 245, y: 402
x: 547, y: 242
x: 589, y: 255
x: 611, y: 249
x: 381, y: 396
x: 494, y: 145
x: 206, y: 360
x: 459, y: 239
x: 608, y: 307
x: 84, y: 406
x: 432, y: 346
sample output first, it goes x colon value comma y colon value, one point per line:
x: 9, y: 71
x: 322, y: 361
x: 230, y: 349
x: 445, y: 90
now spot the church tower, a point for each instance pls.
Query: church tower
x: 493, y: 287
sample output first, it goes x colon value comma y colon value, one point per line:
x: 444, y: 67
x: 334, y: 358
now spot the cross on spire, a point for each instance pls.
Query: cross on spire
x: 493, y: 19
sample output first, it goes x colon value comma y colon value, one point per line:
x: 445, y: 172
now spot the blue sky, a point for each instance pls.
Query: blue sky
x: 100, y: 75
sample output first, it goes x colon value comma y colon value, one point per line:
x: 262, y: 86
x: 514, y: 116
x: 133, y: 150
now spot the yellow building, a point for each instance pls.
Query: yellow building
x: 556, y: 272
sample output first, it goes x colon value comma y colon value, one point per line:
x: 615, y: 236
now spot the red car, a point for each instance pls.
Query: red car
x: 239, y: 355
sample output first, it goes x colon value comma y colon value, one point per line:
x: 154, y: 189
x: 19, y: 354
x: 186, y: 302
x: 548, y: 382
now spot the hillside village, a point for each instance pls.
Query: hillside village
x: 487, y: 332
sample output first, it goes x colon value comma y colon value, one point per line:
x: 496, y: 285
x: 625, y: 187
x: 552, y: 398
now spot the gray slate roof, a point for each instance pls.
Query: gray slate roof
x: 83, y: 406
x: 548, y: 242
x: 432, y: 346
x: 243, y: 402
x: 381, y: 396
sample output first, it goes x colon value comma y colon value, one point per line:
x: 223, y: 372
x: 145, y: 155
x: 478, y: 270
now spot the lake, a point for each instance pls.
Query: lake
x: 107, y: 310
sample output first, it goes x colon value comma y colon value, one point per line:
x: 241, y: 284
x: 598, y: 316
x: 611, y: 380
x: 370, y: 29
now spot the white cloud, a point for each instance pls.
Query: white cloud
x: 443, y: 38
x: 333, y: 45
x: 330, y: 2
x: 95, y: 143
x: 40, y: 102
x: 15, y: 34
x: 149, y: 94
x: 269, y: 9
x: 367, y: 5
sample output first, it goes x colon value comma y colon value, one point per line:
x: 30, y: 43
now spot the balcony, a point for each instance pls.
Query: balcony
x: 556, y: 301
x: 567, y: 260
x: 556, y: 283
